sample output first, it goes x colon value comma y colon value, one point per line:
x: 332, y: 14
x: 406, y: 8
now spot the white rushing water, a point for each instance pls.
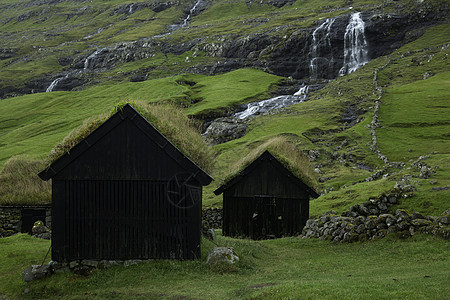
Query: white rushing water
x: 130, y: 10
x: 355, y: 45
x: 53, y: 84
x: 86, y: 61
x: 257, y: 108
x: 183, y: 24
x: 320, y: 36
x: 97, y: 32
x: 191, y: 12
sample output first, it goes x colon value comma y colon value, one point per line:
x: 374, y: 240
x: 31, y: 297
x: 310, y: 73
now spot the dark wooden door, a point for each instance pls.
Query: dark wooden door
x: 266, y: 220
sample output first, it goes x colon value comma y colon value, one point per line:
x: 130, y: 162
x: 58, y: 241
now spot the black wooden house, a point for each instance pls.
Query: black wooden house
x: 125, y: 192
x: 265, y: 200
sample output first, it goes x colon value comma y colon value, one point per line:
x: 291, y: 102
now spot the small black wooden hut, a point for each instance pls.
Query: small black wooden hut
x: 125, y: 192
x: 265, y: 201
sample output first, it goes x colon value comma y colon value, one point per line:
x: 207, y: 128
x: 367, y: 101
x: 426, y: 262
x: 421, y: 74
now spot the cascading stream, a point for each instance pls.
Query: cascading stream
x: 53, y: 84
x: 130, y: 10
x: 320, y: 39
x: 191, y: 12
x: 86, y: 62
x: 257, y: 108
x: 355, y: 45
x: 173, y: 27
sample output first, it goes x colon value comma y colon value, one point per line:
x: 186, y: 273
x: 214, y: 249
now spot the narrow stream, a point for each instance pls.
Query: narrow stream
x: 257, y: 108
x: 355, y: 56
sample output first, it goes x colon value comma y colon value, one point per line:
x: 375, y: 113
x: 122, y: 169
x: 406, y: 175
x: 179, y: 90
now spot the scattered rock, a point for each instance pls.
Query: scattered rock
x: 439, y: 188
x: 313, y: 155
x: 39, y: 230
x: 428, y: 75
x: 35, y: 272
x: 222, y: 254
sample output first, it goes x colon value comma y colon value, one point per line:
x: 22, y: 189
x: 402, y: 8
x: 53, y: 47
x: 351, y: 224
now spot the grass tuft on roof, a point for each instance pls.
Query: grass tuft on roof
x: 171, y: 121
x: 287, y: 154
x: 20, y: 184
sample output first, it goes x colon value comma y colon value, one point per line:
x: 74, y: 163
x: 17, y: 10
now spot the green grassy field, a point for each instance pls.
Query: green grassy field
x: 413, y: 115
x: 287, y: 268
x: 42, y: 120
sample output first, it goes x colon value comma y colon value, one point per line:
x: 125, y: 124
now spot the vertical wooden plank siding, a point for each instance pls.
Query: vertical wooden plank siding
x: 123, y: 219
x: 244, y: 217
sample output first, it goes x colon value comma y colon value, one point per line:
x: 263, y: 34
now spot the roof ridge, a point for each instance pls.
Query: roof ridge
x: 126, y: 112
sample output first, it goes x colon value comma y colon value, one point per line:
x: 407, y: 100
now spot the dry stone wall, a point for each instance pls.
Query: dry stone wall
x: 212, y: 218
x: 373, y: 220
x: 10, y: 221
x: 11, y: 218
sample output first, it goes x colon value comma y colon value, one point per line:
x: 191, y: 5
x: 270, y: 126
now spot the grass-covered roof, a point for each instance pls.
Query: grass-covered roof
x: 20, y: 184
x: 183, y: 132
x: 287, y: 153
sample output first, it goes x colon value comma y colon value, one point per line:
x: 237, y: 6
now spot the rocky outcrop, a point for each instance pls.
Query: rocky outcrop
x: 276, y: 3
x: 120, y: 53
x: 389, y: 31
x: 158, y: 6
x: 287, y: 55
x: 224, y: 129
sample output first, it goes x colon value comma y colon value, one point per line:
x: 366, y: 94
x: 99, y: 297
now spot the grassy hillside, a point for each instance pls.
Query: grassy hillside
x: 413, y: 114
x: 414, y: 120
x: 413, y: 111
x: 287, y: 268
x: 396, y: 104
x: 42, y: 41
x: 42, y: 120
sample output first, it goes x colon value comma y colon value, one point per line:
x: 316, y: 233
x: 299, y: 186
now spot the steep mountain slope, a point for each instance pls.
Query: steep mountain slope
x: 365, y: 132
x: 80, y: 42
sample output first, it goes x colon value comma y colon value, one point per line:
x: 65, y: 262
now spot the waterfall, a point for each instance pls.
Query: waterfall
x: 303, y: 91
x: 256, y: 108
x: 53, y: 84
x: 130, y: 10
x: 355, y: 45
x: 320, y: 38
x: 191, y: 11
x: 86, y: 62
x: 97, y: 32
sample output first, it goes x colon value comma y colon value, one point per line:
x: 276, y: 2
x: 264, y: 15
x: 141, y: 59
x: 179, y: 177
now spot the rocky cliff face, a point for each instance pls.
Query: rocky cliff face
x: 316, y: 52
x: 280, y: 55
